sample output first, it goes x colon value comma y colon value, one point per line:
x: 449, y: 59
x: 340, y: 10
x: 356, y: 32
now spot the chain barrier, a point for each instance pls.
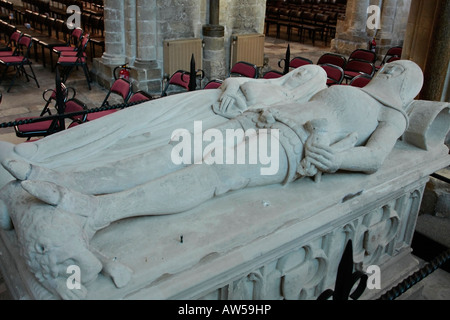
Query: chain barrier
x: 416, y: 277
x: 67, y: 115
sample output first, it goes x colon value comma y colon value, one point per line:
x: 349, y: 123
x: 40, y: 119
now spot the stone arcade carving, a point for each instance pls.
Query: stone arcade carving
x: 56, y: 208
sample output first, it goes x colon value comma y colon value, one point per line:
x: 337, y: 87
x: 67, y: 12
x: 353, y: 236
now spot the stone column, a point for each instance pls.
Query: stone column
x: 351, y: 33
x: 357, y: 14
x: 146, y: 74
x: 114, y: 33
x: 427, y: 44
x: 130, y: 30
x: 394, y: 19
x: 214, y: 63
x: 437, y: 65
x: 146, y: 37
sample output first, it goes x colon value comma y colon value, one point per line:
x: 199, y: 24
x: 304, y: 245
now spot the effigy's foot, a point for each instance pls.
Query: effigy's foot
x: 22, y: 170
x: 84, y: 206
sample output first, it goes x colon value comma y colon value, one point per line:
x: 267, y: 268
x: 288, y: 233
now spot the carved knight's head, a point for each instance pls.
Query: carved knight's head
x: 396, y: 84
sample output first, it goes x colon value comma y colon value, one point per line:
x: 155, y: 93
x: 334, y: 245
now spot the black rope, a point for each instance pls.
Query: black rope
x: 67, y: 115
x: 416, y: 277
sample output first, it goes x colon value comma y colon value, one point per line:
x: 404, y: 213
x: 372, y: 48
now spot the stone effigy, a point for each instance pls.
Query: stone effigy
x: 62, y: 209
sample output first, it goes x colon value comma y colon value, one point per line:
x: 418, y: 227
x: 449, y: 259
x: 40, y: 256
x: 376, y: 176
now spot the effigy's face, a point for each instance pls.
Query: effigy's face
x: 391, y: 71
x: 397, y: 83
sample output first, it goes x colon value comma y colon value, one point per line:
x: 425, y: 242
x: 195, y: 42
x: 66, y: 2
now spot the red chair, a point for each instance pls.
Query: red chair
x: 244, y: 69
x: 392, y: 54
x: 45, y: 127
x: 391, y: 59
x: 213, y: 84
x: 37, y: 129
x: 49, y: 97
x: 332, y: 58
x: 120, y: 87
x: 335, y: 74
x: 356, y: 67
x: 140, y: 96
x: 13, y: 40
x: 179, y: 79
x: 394, y: 51
x: 182, y: 79
x: 72, y: 45
x: 80, y: 60
x: 360, y: 81
x: 272, y: 74
x: 298, y: 62
x: 76, y: 106
x: 19, y: 61
x: 363, y: 54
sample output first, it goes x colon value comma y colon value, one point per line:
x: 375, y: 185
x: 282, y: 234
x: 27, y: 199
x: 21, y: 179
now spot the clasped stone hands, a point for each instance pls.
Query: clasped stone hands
x: 322, y: 157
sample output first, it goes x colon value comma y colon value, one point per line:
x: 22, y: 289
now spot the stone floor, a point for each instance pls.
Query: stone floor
x: 25, y: 100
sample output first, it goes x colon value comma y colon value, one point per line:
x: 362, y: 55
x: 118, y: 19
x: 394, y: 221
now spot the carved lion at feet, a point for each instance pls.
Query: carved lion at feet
x: 52, y: 240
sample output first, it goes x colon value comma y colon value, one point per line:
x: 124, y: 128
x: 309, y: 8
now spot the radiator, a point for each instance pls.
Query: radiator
x: 248, y: 48
x: 178, y: 53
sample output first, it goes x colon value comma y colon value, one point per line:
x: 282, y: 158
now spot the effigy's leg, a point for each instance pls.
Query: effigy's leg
x: 107, y: 178
x: 115, y: 176
x: 176, y: 192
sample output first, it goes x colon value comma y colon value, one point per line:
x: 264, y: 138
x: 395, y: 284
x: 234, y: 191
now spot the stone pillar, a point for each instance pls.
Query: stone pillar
x: 351, y: 33
x: 427, y: 44
x: 357, y: 14
x: 146, y: 37
x: 130, y: 30
x: 114, y: 32
x: 394, y: 20
x: 214, y: 56
x: 146, y: 74
x: 437, y: 66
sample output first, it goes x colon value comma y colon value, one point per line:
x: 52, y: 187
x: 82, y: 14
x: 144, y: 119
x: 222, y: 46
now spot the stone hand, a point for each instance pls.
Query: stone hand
x: 323, y: 157
x: 326, y: 158
x: 230, y: 103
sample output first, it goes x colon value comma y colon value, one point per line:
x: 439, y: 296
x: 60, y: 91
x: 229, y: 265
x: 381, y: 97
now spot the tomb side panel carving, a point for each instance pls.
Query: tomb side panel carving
x: 305, y: 272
